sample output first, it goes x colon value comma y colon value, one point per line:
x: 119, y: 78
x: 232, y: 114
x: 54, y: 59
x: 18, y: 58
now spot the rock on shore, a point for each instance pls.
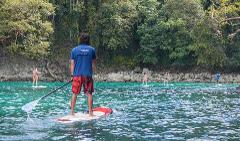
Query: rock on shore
x: 20, y: 69
x: 130, y: 76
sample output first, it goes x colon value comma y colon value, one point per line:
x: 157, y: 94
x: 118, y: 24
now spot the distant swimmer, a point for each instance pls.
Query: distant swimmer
x: 145, y: 78
x: 35, y: 76
x: 217, y: 77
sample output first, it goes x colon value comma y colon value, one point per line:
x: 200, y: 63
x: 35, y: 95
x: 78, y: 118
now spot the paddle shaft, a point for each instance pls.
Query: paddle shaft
x: 55, y: 90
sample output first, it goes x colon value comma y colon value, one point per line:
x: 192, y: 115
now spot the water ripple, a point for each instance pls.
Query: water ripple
x: 172, y: 111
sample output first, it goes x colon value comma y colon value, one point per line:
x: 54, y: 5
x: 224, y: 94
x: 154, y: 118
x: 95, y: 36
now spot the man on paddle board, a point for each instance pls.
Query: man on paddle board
x: 145, y: 78
x: 82, y: 64
x: 217, y: 76
x: 35, y: 76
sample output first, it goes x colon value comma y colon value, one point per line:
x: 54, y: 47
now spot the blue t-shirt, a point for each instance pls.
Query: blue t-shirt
x: 83, y: 55
x: 218, y: 75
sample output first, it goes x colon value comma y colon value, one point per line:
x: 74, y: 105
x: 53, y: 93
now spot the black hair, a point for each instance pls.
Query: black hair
x: 84, y: 38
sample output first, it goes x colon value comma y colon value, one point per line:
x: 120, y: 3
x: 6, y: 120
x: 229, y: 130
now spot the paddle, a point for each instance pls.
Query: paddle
x: 31, y: 105
x: 55, y: 90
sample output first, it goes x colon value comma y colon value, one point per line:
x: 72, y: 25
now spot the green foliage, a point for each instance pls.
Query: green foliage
x: 69, y: 21
x: 169, y: 32
x: 25, y: 28
x: 127, y: 32
x: 225, y: 14
x: 125, y: 61
x: 208, y: 46
x: 115, y: 21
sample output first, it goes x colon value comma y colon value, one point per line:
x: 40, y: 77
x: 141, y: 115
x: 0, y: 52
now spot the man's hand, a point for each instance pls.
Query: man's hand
x: 71, y: 68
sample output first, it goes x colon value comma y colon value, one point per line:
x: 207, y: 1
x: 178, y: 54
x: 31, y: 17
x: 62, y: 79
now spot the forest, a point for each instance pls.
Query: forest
x: 153, y: 33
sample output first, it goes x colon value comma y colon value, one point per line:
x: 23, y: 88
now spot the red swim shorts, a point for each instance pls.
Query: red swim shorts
x: 86, y: 82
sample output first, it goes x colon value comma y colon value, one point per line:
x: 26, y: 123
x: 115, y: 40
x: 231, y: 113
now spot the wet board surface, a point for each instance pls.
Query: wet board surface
x: 78, y: 117
x: 98, y: 112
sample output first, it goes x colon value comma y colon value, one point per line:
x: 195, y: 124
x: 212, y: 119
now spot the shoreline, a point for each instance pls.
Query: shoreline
x: 130, y: 76
x: 18, y: 68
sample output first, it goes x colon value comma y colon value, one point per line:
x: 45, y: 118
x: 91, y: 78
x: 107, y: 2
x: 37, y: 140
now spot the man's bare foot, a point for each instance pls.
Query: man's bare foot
x: 91, y: 114
x: 72, y: 114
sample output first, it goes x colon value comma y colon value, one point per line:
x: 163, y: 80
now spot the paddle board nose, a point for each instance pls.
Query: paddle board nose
x: 105, y: 110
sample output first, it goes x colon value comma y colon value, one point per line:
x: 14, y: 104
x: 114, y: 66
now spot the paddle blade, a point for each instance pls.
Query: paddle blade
x: 30, y: 106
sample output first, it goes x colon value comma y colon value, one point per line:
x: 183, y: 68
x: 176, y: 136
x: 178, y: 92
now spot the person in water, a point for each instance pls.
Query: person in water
x: 145, y: 78
x: 82, y: 65
x: 35, y: 76
x: 217, y: 77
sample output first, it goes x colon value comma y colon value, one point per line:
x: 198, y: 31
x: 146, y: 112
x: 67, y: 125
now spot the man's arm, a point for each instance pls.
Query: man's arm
x: 94, y: 65
x: 71, y: 67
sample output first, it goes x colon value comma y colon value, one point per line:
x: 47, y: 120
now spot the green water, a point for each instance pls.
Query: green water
x: 173, y: 111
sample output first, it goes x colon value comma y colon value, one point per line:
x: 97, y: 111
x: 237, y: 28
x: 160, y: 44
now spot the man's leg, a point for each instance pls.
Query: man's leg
x: 88, y: 90
x: 36, y: 81
x: 73, y: 102
x: 90, y: 103
x: 33, y: 80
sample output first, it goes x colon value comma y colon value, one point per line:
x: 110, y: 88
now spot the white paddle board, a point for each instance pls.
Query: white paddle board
x: 78, y: 117
x: 39, y: 87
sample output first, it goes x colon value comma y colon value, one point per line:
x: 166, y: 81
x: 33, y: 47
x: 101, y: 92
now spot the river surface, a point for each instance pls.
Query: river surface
x: 158, y: 111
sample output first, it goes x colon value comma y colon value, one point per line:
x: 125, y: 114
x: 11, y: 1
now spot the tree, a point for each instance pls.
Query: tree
x: 208, y: 46
x: 226, y: 16
x: 115, y: 22
x: 25, y: 28
x: 165, y: 36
